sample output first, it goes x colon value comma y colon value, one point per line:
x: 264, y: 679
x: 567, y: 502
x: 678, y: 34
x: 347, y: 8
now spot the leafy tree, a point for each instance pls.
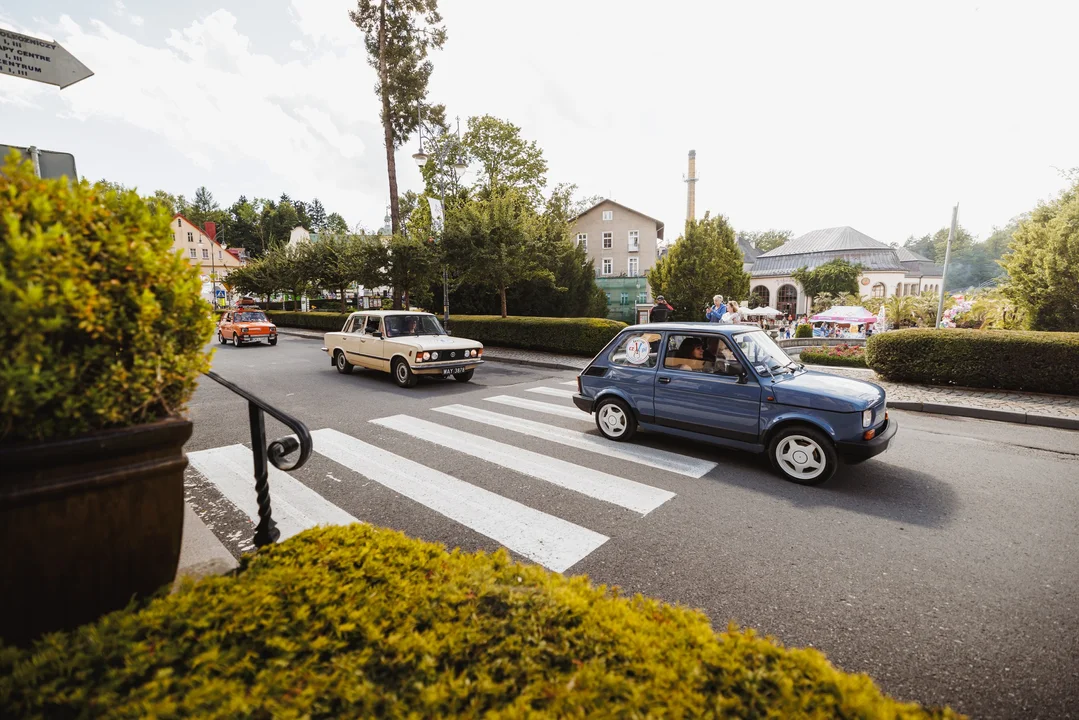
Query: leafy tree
x: 398, y: 35
x: 833, y: 277
x: 293, y: 269
x: 337, y: 262
x: 413, y: 266
x: 170, y: 202
x: 586, y: 203
x: 1043, y: 263
x: 243, y: 227
x: 765, y: 240
x: 316, y: 214
x: 494, y: 241
x: 506, y: 160
x: 335, y: 225
x: 703, y: 262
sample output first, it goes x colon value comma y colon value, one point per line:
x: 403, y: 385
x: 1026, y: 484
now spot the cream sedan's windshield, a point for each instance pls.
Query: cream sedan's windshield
x: 412, y: 325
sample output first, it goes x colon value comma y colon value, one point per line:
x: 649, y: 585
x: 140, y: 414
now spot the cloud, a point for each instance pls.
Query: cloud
x: 136, y: 20
x: 211, y: 97
x: 298, y: 46
x: 325, y: 21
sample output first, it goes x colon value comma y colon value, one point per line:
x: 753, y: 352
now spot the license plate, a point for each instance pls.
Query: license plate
x: 454, y: 371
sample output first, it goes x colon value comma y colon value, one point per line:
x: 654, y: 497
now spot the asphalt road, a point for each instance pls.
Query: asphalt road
x: 947, y: 568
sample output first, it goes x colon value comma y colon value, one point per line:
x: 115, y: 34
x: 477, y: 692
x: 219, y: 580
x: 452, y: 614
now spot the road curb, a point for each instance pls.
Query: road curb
x: 978, y: 413
x: 298, y: 333
x: 532, y: 363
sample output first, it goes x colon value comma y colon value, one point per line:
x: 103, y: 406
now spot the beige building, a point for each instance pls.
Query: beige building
x: 623, y: 245
x: 621, y: 242
x: 200, y: 248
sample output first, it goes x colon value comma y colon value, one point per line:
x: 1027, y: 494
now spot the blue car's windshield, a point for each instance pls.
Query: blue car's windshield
x: 761, y: 351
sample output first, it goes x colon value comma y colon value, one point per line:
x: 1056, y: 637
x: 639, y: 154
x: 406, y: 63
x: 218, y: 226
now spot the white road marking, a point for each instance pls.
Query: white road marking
x: 550, y: 541
x: 543, y: 407
x: 293, y: 505
x: 557, y: 392
x: 593, y: 483
x: 570, y: 382
x: 662, y: 459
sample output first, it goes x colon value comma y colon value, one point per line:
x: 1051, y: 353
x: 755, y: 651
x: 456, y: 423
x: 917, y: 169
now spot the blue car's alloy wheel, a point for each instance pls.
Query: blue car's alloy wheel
x: 803, y: 455
x: 615, y: 420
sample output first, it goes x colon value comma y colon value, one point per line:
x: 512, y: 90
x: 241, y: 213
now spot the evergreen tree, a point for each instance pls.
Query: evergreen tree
x: 317, y: 215
x: 703, y: 262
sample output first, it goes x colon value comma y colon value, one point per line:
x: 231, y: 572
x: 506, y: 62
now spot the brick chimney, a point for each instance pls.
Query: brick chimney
x: 211, y: 229
x: 691, y: 187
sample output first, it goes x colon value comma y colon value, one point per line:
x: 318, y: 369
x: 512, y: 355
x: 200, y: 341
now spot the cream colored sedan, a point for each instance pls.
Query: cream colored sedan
x: 405, y: 343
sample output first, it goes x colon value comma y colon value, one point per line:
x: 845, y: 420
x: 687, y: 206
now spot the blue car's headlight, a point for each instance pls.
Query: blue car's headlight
x: 867, y: 418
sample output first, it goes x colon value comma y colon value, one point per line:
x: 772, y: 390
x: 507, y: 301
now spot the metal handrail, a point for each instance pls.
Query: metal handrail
x: 267, y: 533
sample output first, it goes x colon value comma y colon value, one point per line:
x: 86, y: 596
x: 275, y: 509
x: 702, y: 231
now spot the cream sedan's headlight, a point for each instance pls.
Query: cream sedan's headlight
x: 427, y: 356
x: 434, y: 355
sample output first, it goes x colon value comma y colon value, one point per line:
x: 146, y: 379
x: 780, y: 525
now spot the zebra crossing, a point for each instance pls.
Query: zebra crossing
x: 545, y: 538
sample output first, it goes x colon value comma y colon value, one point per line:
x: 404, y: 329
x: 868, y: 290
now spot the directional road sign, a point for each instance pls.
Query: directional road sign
x: 36, y: 59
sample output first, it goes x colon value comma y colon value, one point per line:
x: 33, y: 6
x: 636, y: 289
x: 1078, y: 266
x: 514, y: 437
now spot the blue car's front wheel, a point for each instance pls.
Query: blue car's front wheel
x: 803, y: 455
x: 615, y: 420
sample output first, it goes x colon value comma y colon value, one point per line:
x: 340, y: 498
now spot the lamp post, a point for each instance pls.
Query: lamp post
x: 440, y: 153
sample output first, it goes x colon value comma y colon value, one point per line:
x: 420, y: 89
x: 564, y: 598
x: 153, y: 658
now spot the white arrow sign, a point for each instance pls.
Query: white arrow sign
x: 35, y: 59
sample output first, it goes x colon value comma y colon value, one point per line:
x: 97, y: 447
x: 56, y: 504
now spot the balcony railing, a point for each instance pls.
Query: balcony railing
x: 276, y: 452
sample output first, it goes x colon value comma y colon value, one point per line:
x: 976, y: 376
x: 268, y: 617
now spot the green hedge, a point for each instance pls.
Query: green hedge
x: 571, y: 336
x: 361, y: 622
x: 803, y: 331
x: 1000, y: 359
x: 324, y: 321
x: 838, y: 356
x: 103, y: 324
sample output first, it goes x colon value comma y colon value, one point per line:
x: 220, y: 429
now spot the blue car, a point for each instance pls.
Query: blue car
x: 731, y: 385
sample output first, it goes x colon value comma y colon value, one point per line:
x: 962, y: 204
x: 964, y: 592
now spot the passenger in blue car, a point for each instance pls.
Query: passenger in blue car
x: 691, y: 349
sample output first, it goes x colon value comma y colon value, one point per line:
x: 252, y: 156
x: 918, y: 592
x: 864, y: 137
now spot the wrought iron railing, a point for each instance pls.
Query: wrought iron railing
x: 276, y: 452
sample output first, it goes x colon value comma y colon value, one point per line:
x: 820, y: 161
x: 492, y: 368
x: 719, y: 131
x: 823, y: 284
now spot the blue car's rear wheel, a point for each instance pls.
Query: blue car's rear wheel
x: 615, y: 419
x: 803, y: 455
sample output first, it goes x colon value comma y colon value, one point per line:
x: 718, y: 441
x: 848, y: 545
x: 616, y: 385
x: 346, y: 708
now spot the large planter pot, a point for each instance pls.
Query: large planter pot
x: 88, y: 523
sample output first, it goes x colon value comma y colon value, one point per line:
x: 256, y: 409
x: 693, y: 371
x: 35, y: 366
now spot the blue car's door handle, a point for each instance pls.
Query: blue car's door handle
x: 664, y: 380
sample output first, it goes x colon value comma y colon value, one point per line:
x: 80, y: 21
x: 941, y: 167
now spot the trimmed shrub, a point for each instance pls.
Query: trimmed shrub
x: 103, y: 325
x: 803, y: 331
x: 324, y: 321
x: 1000, y: 359
x: 838, y: 355
x: 362, y: 622
x: 571, y: 336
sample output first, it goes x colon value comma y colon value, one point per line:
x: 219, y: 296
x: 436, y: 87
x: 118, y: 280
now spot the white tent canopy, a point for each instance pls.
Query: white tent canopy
x: 762, y: 312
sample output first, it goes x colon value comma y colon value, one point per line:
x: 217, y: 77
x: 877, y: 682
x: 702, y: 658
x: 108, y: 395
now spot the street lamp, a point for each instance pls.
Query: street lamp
x: 440, y: 152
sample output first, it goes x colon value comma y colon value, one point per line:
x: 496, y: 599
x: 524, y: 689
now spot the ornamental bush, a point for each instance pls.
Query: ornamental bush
x: 838, y: 355
x: 1002, y: 359
x: 570, y: 336
x: 103, y: 325
x: 803, y: 331
x: 361, y: 622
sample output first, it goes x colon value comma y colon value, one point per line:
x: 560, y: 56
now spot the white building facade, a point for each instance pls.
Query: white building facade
x: 888, y: 271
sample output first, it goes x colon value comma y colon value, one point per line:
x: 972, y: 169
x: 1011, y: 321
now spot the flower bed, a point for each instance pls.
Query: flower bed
x: 838, y: 355
x: 362, y: 622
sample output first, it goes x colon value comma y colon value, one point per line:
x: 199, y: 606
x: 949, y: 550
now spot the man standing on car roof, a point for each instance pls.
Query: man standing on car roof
x: 661, y: 311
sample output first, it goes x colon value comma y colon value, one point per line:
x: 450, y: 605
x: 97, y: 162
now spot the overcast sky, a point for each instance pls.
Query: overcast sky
x: 803, y: 115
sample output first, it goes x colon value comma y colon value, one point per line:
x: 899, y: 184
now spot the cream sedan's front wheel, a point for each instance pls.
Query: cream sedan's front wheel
x: 403, y: 375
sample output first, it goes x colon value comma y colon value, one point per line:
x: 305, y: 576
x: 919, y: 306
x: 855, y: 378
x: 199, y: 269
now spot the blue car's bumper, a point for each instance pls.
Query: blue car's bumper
x: 865, y: 449
x: 583, y: 402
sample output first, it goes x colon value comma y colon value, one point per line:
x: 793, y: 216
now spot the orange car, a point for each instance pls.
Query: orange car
x: 244, y: 326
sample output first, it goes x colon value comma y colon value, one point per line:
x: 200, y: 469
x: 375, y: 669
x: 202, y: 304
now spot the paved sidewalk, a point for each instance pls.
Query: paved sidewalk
x: 535, y: 358
x: 1031, y: 408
